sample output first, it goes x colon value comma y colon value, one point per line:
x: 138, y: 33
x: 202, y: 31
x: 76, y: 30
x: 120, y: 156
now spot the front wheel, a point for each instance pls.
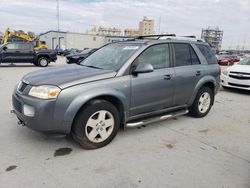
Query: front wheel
x: 96, y: 124
x: 202, y: 103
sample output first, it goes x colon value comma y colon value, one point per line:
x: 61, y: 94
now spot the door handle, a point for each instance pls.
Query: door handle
x: 198, y: 73
x: 167, y: 77
x: 17, y: 51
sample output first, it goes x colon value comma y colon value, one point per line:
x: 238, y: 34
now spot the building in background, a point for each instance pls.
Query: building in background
x: 67, y: 40
x: 111, y: 31
x: 213, y: 36
x: 146, y: 26
x: 131, y: 32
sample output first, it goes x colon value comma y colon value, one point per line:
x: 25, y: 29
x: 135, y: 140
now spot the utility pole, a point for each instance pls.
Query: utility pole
x: 58, y: 21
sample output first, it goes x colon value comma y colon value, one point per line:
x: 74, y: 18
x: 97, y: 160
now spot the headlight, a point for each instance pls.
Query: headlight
x: 44, y: 92
x: 225, y: 71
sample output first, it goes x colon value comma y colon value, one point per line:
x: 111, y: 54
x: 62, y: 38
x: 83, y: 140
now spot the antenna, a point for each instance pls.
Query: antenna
x: 58, y: 22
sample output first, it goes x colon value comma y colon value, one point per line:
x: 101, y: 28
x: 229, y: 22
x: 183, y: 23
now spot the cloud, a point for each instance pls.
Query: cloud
x: 177, y: 16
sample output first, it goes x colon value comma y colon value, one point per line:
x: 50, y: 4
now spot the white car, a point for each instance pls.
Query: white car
x: 237, y: 76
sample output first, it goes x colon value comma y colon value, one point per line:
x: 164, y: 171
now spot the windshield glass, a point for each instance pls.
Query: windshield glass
x: 245, y: 61
x: 1, y: 45
x: 112, y: 56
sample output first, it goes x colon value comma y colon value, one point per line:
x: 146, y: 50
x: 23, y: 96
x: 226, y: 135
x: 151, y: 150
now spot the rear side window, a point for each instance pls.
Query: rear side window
x: 182, y: 55
x: 24, y: 46
x: 207, y: 53
x: 157, y: 56
x: 194, y: 57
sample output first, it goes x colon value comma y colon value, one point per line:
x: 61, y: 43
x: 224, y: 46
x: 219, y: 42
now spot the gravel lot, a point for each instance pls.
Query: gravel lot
x: 183, y: 152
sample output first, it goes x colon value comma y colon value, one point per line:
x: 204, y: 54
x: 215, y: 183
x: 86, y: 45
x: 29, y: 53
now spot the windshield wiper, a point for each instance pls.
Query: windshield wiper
x: 91, y: 66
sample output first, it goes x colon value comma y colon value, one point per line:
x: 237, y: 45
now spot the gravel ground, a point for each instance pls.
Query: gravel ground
x: 183, y: 152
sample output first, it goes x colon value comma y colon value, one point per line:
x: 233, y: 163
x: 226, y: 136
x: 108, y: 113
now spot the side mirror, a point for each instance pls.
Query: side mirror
x: 5, y: 48
x: 143, y: 68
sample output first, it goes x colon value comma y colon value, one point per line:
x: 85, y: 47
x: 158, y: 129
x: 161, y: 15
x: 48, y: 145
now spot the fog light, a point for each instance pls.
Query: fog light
x: 28, y: 110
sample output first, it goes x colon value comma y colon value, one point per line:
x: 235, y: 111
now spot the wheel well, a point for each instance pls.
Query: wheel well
x: 113, y: 100
x: 46, y: 56
x: 210, y: 85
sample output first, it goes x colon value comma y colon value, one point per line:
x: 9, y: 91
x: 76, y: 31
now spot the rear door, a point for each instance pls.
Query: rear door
x: 188, y: 71
x: 152, y: 91
x: 26, y: 52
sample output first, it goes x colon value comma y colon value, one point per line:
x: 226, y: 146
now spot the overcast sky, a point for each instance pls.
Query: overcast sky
x: 183, y: 17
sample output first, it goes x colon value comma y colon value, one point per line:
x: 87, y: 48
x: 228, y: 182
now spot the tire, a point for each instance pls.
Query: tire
x: 43, y: 62
x: 96, y: 124
x: 202, y: 103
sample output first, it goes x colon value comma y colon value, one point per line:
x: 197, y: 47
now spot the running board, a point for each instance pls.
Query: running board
x: 158, y: 118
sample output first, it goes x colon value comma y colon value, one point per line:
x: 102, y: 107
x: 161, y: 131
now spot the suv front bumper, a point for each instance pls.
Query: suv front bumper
x: 42, y: 119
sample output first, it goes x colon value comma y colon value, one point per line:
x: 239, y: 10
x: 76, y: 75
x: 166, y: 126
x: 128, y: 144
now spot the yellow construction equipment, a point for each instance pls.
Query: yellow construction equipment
x: 20, y: 34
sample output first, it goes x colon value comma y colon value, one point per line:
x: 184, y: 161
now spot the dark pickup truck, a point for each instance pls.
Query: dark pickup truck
x: 25, y: 53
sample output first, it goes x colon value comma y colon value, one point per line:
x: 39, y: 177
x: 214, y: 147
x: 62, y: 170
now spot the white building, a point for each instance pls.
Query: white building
x: 67, y: 40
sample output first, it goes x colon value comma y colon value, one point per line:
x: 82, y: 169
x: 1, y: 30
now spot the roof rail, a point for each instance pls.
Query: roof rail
x: 158, y: 36
x: 190, y: 36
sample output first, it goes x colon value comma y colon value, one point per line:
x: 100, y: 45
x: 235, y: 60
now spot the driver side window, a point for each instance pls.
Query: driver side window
x: 157, y: 56
x: 12, y: 46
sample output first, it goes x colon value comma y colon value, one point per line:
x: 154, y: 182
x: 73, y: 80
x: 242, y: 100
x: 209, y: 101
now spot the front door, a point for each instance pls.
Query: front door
x: 11, y: 54
x: 152, y: 91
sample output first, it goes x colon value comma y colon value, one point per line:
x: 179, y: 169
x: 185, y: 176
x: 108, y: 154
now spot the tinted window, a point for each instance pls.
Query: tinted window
x: 157, y: 56
x: 24, y: 46
x: 182, y: 55
x: 207, y: 53
x: 12, y: 46
x: 195, y: 59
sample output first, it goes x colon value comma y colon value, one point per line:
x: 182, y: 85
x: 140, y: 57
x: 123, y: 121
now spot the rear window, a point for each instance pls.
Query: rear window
x: 207, y: 53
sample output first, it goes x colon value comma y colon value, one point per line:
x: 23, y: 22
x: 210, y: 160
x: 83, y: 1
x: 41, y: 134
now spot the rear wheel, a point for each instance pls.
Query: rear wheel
x: 202, y: 103
x: 96, y: 125
x: 43, y: 62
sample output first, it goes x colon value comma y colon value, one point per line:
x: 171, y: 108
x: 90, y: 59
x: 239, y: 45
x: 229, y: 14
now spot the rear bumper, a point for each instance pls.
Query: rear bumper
x: 53, y: 59
x: 43, y: 119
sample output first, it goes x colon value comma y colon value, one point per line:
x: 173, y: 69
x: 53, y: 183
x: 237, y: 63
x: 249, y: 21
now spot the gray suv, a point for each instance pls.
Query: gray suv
x: 124, y: 84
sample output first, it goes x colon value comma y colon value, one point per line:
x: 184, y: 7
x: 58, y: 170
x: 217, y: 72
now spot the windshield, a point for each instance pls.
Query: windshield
x: 111, y: 57
x: 245, y: 61
x: 1, y: 45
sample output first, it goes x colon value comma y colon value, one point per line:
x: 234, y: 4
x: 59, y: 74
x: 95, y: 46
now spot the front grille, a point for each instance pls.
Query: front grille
x: 239, y: 85
x: 240, y: 73
x: 22, y: 86
x: 17, y: 104
x: 239, y: 77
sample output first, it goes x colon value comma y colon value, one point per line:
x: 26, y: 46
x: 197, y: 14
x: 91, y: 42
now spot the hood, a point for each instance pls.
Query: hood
x: 240, y: 68
x: 66, y: 76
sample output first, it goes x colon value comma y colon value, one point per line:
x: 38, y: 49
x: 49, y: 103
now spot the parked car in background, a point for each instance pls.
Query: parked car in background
x: 16, y: 52
x: 227, y: 59
x: 123, y: 84
x: 71, y: 51
x: 237, y: 76
x: 78, y: 57
x: 59, y: 51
